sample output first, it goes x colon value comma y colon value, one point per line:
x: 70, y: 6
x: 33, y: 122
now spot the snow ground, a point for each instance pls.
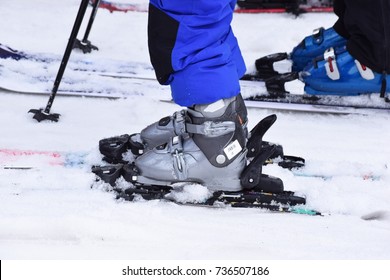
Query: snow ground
x: 53, y: 213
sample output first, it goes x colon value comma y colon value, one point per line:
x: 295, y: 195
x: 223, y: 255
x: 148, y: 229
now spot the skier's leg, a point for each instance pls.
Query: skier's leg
x: 204, y: 76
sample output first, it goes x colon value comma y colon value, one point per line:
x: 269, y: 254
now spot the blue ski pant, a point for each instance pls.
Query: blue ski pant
x: 193, y: 49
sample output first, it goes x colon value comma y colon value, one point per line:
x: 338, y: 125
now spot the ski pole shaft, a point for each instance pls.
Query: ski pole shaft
x: 68, y: 50
x: 91, y: 20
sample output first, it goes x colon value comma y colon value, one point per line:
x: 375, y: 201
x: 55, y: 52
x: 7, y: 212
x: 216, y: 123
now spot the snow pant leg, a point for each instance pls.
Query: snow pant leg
x: 339, y: 10
x: 194, y: 50
x: 368, y: 26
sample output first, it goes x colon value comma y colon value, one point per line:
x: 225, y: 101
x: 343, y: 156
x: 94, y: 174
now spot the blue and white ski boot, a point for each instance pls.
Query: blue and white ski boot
x: 313, y: 46
x: 338, y: 73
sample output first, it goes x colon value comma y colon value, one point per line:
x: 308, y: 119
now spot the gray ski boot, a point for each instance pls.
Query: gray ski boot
x: 160, y: 132
x: 206, y: 145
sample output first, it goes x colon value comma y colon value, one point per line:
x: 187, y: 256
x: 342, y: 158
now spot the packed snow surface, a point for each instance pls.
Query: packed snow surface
x: 53, y: 212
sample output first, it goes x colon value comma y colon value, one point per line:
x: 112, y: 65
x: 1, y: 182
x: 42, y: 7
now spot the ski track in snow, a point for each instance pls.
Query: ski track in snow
x: 61, y: 213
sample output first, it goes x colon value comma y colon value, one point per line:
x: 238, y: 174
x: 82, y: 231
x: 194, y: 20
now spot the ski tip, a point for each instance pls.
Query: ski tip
x: 17, y: 167
x: 304, y: 211
x: 380, y: 215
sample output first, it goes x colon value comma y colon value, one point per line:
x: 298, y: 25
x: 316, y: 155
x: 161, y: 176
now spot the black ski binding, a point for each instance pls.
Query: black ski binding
x: 114, y: 147
x: 265, y: 68
x: 252, y: 178
x: 108, y: 173
x: 256, y: 144
x: 275, y: 85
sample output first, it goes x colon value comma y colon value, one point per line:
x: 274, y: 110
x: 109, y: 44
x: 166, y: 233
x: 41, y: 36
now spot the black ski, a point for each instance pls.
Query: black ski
x: 285, y: 202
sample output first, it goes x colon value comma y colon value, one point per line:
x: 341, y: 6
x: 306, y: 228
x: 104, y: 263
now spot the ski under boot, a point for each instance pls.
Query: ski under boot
x: 338, y: 73
x: 259, y: 153
x: 259, y: 190
x: 211, y: 151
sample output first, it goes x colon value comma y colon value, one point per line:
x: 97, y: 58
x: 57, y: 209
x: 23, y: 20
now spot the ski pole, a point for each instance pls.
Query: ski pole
x: 85, y: 45
x: 40, y: 114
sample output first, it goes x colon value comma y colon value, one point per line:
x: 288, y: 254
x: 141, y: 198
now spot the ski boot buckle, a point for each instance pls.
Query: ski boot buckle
x: 318, y: 35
